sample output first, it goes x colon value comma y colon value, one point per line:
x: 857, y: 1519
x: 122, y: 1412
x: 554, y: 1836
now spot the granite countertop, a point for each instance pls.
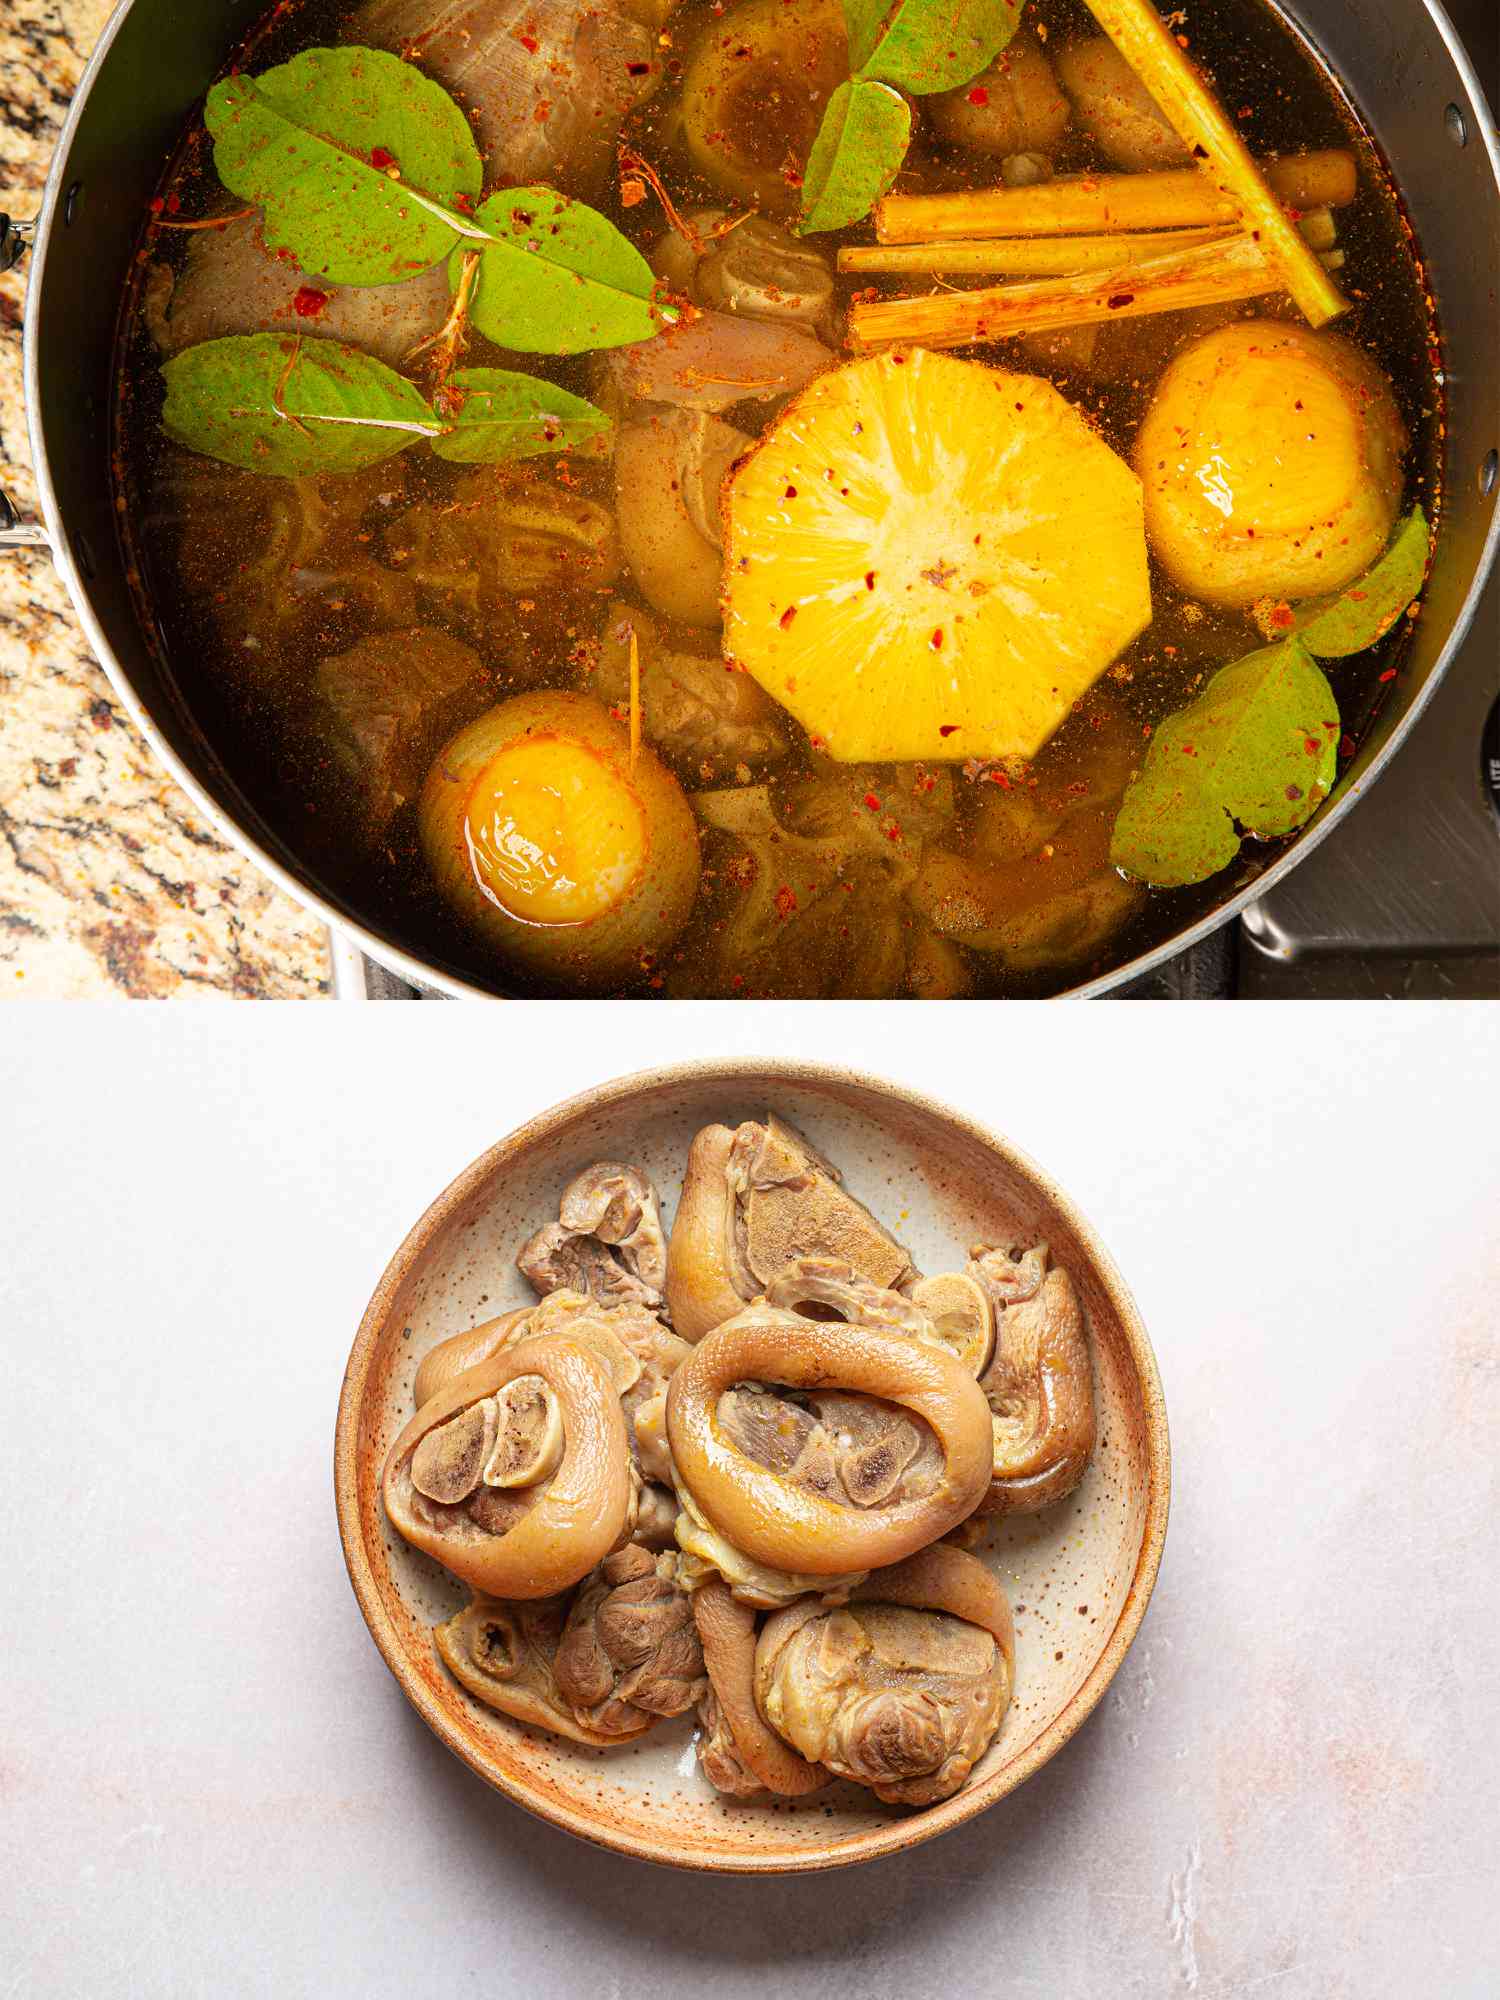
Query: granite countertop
x: 110, y: 881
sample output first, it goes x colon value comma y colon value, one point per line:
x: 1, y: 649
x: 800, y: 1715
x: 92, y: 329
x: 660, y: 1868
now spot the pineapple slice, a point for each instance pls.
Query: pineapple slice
x: 931, y: 559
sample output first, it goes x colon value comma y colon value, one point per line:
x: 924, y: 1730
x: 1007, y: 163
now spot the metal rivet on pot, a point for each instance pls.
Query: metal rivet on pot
x: 1489, y: 467
x: 1457, y: 125
x: 70, y: 202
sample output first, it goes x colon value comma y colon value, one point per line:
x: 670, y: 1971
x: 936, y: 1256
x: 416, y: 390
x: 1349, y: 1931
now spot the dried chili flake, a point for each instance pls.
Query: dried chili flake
x: 1389, y: 674
x: 785, y: 620
x: 869, y: 579
x: 308, y: 302
x: 786, y: 901
x: 1346, y: 746
x: 1294, y: 792
x: 528, y: 42
x: 947, y: 728
x: 979, y: 95
x: 872, y: 804
x: 383, y: 160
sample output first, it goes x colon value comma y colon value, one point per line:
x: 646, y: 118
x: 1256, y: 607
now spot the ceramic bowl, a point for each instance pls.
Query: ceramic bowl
x: 1079, y: 1575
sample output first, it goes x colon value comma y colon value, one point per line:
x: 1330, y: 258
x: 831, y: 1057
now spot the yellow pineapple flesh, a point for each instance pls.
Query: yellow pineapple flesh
x: 928, y: 558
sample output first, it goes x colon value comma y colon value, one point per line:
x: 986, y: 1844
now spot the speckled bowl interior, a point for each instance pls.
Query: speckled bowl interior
x: 1078, y: 1575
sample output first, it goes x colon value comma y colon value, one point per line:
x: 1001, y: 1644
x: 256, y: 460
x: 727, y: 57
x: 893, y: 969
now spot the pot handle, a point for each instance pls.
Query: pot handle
x: 15, y: 237
x: 356, y: 977
x: 16, y: 534
x: 16, y: 233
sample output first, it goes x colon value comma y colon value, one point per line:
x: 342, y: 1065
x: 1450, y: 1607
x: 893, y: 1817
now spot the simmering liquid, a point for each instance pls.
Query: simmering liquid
x: 514, y: 579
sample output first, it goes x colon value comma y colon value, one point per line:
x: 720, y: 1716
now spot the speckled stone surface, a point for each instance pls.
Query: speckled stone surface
x: 110, y: 881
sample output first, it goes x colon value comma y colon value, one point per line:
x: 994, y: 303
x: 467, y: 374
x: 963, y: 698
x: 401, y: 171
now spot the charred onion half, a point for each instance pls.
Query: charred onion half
x: 789, y: 1527
x: 580, y: 1509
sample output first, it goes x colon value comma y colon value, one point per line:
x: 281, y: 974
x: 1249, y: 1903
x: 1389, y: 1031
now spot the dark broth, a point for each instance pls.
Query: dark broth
x: 188, y: 525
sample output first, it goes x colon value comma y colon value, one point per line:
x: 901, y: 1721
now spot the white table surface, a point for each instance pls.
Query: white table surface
x: 210, y: 1785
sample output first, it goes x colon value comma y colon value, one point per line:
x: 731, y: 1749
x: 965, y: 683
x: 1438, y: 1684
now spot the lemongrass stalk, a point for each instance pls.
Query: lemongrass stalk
x: 1087, y: 204
x: 1155, y: 55
x: 1057, y: 256
x: 1211, y: 274
x: 1028, y: 256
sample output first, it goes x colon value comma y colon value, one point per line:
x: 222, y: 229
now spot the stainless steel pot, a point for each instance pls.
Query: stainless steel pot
x: 1400, y: 60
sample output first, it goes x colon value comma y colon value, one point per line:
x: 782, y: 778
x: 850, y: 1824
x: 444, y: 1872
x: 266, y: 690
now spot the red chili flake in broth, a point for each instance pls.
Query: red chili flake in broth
x: 308, y: 302
x: 869, y: 579
x: 1346, y: 746
x: 790, y: 494
x: 1312, y: 746
x: 1294, y: 792
x: 529, y: 43
x: 936, y: 641
x: 1389, y: 674
x: 784, y: 621
x: 1120, y: 299
x: 637, y: 69
x: 872, y: 804
x: 382, y: 159
x: 893, y: 832
x: 947, y: 728
x: 979, y: 95
x: 786, y: 901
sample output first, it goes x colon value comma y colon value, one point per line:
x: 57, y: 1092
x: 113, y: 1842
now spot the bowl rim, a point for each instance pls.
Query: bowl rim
x: 904, y: 1831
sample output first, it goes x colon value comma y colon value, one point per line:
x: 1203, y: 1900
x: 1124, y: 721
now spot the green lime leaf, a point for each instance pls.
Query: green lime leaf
x: 557, y: 278
x: 1367, y: 610
x: 347, y: 151
x: 499, y: 413
x: 927, y: 45
x: 1256, y: 752
x: 858, y: 152
x: 285, y: 404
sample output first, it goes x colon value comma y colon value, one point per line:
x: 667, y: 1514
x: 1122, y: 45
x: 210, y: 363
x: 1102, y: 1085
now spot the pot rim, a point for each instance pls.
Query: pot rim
x: 418, y: 972
x: 902, y: 1832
